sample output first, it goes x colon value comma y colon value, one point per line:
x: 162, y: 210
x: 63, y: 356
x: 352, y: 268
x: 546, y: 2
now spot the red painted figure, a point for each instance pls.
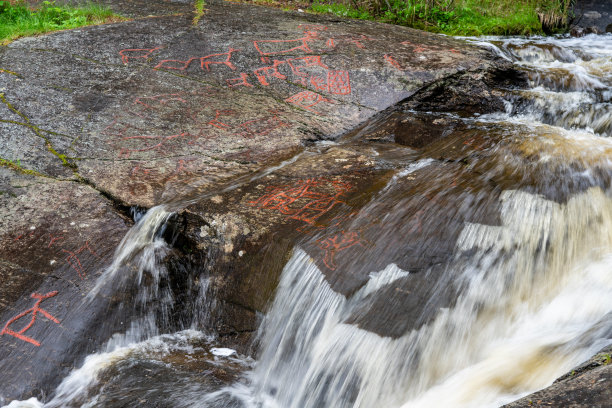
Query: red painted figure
x: 205, y: 62
x: 242, y: 80
x: 136, y: 53
x: 337, y: 243
x: 339, y: 82
x: 74, y: 261
x: 393, y: 62
x: 34, y: 310
x: 307, y: 100
x: 303, y: 201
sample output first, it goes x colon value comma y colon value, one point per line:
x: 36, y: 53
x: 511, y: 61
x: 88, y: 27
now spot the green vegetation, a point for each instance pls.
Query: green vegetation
x: 459, y: 17
x: 198, y: 11
x: 17, y: 19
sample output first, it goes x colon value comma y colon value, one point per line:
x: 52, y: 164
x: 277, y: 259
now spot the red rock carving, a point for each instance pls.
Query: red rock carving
x: 393, y: 62
x: 263, y: 73
x: 306, y: 200
x: 205, y: 62
x: 135, y: 53
x: 53, y: 239
x: 74, y: 261
x: 268, y: 48
x: 307, y: 100
x: 242, y: 80
x: 339, y: 82
x: 297, y: 64
x: 34, y: 310
x: 218, y: 113
x: 337, y: 243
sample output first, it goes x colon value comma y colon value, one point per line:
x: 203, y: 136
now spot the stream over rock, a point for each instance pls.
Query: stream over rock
x: 257, y: 208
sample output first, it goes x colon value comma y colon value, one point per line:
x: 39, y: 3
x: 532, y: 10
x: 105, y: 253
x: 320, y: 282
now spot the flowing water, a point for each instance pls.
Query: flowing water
x: 532, y: 289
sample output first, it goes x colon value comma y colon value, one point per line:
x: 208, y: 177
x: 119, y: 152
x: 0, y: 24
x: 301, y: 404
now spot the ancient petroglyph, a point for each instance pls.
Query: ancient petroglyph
x: 339, y: 242
x: 136, y: 53
x: 33, y: 311
x: 308, y: 100
x: 305, y: 200
x: 223, y: 58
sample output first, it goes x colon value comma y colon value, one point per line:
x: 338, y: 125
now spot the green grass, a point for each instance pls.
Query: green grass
x: 17, y: 19
x: 198, y: 11
x: 459, y: 17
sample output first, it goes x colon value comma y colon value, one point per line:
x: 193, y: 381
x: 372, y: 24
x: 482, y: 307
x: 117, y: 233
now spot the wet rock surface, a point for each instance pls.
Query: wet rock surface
x: 586, y: 386
x: 167, y: 110
x: 592, y: 17
x: 57, y: 237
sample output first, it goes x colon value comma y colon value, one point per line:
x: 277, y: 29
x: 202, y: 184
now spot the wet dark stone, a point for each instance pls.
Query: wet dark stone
x: 593, y: 16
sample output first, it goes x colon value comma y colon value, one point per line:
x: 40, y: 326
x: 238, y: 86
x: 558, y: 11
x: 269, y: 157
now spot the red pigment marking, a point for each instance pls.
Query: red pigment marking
x: 330, y: 43
x: 302, y: 201
x: 337, y: 243
x: 263, y: 73
x: 135, y: 53
x: 357, y: 42
x: 205, y: 62
x: 240, y: 81
x: 339, y: 82
x: 306, y: 100
x: 218, y: 113
x: 180, y: 168
x: 179, y: 65
x: 318, y: 83
x: 53, y: 239
x: 393, y: 62
x: 34, y: 310
x: 31, y: 234
x: 138, y: 169
x: 415, y: 48
x: 297, y: 64
x: 209, y: 60
x: 74, y: 261
x: 302, y: 45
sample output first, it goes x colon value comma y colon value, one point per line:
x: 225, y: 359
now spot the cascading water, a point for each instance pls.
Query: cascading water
x: 537, y: 292
x: 534, y: 291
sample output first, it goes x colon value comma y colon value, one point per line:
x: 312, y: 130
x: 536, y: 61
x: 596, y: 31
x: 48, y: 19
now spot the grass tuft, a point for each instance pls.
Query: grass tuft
x: 459, y: 17
x: 198, y: 11
x: 17, y: 19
